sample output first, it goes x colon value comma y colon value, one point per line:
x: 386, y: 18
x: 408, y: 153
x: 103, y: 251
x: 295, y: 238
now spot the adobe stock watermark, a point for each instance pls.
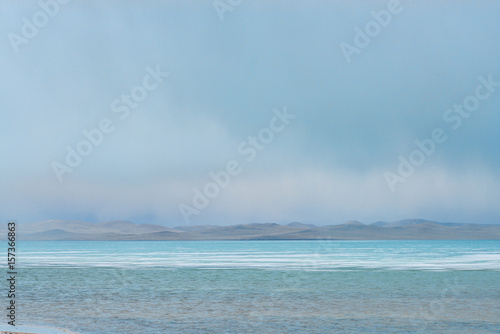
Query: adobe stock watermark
x: 373, y: 28
x: 249, y: 149
x: 437, y: 307
x: 454, y: 118
x: 223, y: 6
x: 31, y: 26
x: 121, y: 106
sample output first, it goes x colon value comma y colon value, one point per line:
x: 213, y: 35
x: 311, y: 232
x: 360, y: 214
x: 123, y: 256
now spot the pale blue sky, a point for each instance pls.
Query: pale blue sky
x: 353, y: 120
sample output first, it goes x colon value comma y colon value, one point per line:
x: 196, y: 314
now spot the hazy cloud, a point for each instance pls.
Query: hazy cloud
x: 353, y: 120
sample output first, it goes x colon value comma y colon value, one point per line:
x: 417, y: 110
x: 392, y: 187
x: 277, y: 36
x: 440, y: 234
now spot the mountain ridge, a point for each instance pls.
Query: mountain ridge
x: 407, y: 229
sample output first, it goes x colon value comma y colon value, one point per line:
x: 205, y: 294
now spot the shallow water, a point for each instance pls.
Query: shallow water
x: 261, y: 286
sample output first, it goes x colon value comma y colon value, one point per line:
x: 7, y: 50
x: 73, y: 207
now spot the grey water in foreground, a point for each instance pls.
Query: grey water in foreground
x: 319, y: 286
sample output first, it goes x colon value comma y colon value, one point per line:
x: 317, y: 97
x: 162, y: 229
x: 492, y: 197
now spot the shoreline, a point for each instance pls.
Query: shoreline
x: 32, y: 329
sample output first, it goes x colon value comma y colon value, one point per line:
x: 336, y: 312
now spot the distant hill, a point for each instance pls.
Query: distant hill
x: 409, y: 229
x: 80, y: 227
x: 297, y: 224
x: 404, y: 222
x: 353, y: 223
x: 408, y: 222
x: 191, y: 228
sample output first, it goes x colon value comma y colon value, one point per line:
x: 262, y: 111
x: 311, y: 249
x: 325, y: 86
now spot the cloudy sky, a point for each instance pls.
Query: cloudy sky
x: 174, y: 92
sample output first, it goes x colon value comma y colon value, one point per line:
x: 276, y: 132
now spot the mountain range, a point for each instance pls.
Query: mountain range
x: 408, y: 229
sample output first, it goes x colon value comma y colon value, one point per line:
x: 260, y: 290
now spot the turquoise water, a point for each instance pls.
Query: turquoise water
x: 322, y: 286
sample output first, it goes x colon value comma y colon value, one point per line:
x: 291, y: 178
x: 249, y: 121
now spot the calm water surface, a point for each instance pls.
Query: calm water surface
x: 218, y: 287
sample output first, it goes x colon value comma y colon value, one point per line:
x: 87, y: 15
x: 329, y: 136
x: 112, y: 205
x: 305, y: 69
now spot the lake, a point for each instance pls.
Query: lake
x: 323, y: 286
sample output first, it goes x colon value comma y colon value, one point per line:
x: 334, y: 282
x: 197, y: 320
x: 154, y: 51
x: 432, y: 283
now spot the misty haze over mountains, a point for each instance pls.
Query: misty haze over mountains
x: 408, y: 229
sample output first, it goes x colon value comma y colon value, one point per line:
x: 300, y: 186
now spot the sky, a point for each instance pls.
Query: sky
x: 231, y: 112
